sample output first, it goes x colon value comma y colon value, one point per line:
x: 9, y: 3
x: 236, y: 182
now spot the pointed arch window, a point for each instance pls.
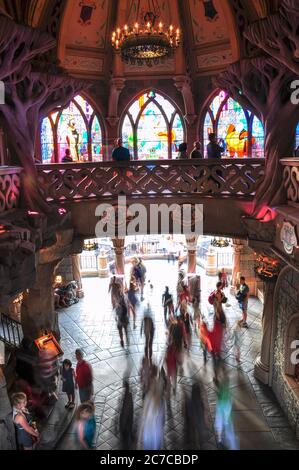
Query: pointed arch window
x: 152, y: 128
x: 241, y: 130
x: 76, y: 128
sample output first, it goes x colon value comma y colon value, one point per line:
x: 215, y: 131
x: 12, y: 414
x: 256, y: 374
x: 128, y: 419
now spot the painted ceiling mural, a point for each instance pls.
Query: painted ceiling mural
x: 89, y: 22
x: 137, y: 10
x: 208, y: 22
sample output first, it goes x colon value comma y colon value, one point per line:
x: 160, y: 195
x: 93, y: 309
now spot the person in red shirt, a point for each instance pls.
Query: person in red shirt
x: 83, y: 377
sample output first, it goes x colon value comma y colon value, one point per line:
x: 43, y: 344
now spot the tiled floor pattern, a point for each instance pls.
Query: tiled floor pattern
x: 258, y: 420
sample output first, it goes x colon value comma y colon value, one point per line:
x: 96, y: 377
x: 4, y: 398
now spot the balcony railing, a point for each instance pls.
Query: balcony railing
x: 79, y: 181
x: 10, y: 183
x: 291, y: 178
x: 10, y: 331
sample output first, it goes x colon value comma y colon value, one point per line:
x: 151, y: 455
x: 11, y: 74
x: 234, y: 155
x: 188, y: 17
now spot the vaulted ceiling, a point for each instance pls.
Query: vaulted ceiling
x: 212, y: 31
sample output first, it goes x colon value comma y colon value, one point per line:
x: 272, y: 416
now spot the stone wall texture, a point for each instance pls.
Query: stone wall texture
x: 286, y: 305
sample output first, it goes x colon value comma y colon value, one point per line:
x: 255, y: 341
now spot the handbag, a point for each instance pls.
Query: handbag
x: 224, y: 300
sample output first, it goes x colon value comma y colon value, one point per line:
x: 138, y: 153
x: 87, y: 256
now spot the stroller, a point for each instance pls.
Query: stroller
x: 67, y: 294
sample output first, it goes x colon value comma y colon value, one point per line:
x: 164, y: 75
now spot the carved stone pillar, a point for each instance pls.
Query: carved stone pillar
x: 119, y: 246
x: 38, y: 313
x: 7, y: 431
x: 262, y: 364
x: 183, y: 84
x: 191, y: 241
x: 116, y: 86
x: 211, y: 266
x: 77, y: 275
x: 237, y: 247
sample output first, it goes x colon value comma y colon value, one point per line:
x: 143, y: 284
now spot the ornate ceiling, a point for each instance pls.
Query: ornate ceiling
x: 213, y: 31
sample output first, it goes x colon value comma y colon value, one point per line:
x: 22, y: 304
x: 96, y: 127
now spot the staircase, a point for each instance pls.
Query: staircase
x: 11, y: 332
x: 11, y: 335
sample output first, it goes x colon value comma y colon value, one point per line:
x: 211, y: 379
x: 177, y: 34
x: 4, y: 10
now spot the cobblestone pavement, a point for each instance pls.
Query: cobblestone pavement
x: 258, y: 419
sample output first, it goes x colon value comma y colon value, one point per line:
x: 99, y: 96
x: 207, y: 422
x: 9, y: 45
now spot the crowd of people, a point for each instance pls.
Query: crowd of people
x: 183, y: 320
x: 185, y: 323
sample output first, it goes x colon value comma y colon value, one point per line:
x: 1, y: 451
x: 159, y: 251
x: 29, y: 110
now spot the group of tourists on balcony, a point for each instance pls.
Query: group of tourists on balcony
x: 122, y: 154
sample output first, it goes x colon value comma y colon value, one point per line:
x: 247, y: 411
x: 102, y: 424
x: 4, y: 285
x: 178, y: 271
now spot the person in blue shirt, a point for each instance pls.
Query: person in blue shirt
x: 120, y: 153
x: 86, y: 425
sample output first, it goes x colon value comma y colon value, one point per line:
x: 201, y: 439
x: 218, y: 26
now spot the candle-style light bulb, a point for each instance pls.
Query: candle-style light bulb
x: 160, y: 26
x: 136, y: 28
x: 117, y: 43
x: 178, y: 32
x: 148, y: 25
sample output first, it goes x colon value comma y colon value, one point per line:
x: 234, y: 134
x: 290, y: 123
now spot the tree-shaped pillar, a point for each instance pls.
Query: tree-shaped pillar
x: 263, y: 85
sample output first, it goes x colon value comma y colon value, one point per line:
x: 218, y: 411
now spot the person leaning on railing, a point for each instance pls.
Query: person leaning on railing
x: 120, y: 153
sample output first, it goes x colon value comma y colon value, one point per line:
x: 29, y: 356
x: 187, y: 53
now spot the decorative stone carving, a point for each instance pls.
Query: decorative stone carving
x: 10, y: 183
x: 191, y: 246
x: 291, y: 179
x: 119, y: 247
x: 26, y: 103
x: 116, y: 86
x: 239, y: 177
x: 183, y: 84
x: 18, y: 45
x: 278, y: 35
x: 286, y: 303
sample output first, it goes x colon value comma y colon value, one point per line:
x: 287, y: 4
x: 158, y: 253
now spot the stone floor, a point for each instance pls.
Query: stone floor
x: 259, y: 422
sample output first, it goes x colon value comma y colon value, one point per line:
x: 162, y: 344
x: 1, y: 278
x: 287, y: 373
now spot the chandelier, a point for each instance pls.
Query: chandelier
x: 220, y: 242
x: 146, y: 44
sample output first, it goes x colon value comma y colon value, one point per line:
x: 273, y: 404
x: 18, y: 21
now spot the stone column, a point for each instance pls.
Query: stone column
x: 38, y: 313
x: 119, y: 246
x: 191, y: 241
x: 77, y: 275
x: 211, y: 266
x: 7, y: 431
x: 237, y: 247
x: 262, y: 364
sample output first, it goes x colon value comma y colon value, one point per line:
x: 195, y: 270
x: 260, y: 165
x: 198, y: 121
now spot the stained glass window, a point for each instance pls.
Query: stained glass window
x: 76, y: 128
x: 156, y: 126
x: 207, y: 129
x: 242, y: 133
x: 297, y: 136
x: 47, y: 142
x: 96, y: 141
x: 258, y: 138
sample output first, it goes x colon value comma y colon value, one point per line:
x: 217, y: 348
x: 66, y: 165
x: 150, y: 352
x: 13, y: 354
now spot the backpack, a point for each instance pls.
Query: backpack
x: 211, y: 298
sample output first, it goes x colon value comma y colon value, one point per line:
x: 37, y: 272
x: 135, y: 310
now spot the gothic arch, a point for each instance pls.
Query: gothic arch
x: 169, y: 120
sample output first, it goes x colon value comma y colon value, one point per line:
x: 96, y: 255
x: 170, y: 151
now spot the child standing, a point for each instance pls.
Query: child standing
x: 27, y: 435
x: 86, y: 425
x: 68, y: 378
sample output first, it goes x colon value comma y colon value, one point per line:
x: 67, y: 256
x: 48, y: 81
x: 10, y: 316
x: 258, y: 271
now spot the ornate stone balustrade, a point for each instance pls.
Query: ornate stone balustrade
x: 291, y: 178
x: 79, y: 181
x: 10, y: 183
